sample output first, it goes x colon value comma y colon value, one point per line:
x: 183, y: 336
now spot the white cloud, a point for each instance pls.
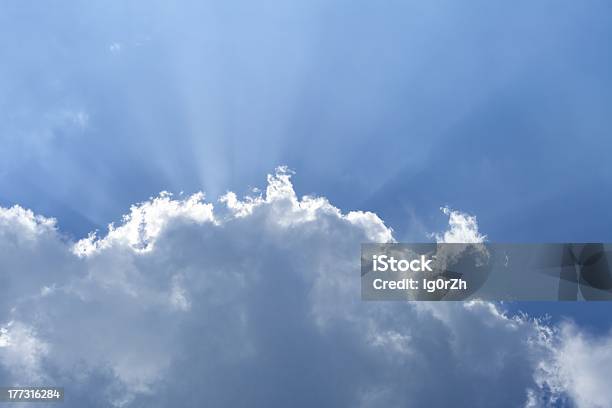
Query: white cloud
x: 257, y: 303
x: 462, y: 228
x: 4, y: 338
x: 115, y: 48
x: 22, y: 351
x: 582, y: 365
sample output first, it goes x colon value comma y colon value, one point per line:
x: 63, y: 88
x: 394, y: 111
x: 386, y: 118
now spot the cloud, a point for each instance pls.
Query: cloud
x: 582, y: 365
x: 256, y: 302
x: 115, y: 48
x: 462, y: 228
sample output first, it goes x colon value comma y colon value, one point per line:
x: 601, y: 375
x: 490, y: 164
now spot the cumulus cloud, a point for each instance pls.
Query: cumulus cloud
x: 256, y: 302
x: 461, y: 228
x: 581, y: 366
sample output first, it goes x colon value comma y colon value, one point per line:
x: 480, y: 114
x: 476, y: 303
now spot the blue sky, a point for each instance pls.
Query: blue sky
x: 501, y: 110
x: 400, y: 107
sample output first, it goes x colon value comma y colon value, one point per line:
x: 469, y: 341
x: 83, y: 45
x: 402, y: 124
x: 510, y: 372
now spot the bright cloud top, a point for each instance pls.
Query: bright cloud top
x: 255, y: 302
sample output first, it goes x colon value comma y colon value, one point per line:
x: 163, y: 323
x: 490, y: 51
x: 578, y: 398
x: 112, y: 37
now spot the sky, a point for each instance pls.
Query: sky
x: 497, y: 110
